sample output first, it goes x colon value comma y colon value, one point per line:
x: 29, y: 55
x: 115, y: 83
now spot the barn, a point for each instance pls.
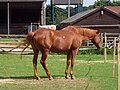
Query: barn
x: 17, y: 15
x: 106, y: 19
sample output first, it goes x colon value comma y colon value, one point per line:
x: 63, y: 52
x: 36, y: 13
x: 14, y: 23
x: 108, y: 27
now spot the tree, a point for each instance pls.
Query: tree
x: 106, y: 3
x: 102, y: 3
x: 116, y: 3
x: 60, y: 14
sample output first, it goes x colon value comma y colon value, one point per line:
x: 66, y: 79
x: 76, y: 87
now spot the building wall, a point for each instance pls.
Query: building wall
x: 107, y: 29
x: 99, y: 19
x: 21, y: 16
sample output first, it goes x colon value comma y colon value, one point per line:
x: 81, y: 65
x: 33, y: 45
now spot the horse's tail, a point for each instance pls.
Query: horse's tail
x: 26, y: 42
x: 27, y: 45
x: 23, y: 42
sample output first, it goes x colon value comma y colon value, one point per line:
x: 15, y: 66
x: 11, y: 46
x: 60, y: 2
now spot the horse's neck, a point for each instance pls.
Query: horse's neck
x: 84, y: 38
x: 86, y: 35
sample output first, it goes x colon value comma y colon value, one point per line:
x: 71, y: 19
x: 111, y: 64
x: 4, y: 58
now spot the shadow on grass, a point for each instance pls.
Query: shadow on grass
x: 55, y: 77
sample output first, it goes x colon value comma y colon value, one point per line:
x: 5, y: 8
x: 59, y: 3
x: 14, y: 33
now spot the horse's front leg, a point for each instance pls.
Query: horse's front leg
x: 43, y: 62
x: 67, y: 64
x: 74, y: 53
x: 35, y: 64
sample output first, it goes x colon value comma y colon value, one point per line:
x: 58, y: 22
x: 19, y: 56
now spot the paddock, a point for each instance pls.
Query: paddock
x: 90, y: 70
x: 90, y: 73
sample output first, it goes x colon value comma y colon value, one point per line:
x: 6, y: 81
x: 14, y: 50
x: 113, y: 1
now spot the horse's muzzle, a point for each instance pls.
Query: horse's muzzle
x: 98, y: 48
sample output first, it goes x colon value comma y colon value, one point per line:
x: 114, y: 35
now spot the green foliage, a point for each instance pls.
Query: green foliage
x: 116, y: 3
x: 106, y: 3
x: 48, y: 15
x: 60, y: 15
x: 102, y: 3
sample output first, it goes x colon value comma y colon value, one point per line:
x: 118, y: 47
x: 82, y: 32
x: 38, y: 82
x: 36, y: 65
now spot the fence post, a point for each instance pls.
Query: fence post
x: 114, y: 54
x: 105, y: 47
x: 102, y: 39
x: 119, y: 65
x: 31, y: 25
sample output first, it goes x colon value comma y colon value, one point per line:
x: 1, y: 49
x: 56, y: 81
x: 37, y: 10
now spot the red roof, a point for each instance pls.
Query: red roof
x: 115, y: 9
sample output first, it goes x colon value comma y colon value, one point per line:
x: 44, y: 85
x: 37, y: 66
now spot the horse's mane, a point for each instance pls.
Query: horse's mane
x: 81, y: 31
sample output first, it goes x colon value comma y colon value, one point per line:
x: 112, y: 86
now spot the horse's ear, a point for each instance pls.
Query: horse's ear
x: 98, y: 31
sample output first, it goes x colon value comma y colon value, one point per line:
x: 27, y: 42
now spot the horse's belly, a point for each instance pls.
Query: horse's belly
x: 59, y: 49
x: 61, y: 44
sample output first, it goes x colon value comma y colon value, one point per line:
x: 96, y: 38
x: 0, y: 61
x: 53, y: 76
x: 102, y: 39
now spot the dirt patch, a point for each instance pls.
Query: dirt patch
x: 7, y: 81
x: 42, y: 80
x: 59, y: 83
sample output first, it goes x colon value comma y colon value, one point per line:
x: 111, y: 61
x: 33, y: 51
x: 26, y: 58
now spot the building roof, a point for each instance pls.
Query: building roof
x: 112, y: 9
x: 115, y: 9
x: 78, y: 15
x: 22, y: 0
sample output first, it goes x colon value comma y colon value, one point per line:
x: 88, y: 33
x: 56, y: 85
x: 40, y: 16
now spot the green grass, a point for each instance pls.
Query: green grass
x: 17, y: 73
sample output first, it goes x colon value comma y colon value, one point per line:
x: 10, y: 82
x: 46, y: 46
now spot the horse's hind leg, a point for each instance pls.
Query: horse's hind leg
x: 35, y: 64
x: 74, y: 53
x: 67, y: 64
x: 43, y: 62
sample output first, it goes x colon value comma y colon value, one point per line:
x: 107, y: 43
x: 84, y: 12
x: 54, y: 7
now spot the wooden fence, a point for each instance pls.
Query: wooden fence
x: 119, y: 66
x: 112, y: 41
x: 107, y: 38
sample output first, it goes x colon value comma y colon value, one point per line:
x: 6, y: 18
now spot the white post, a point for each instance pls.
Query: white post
x: 114, y: 54
x: 31, y: 27
x: 68, y: 8
x: 105, y: 47
x: 8, y: 18
x: 44, y: 13
x: 119, y: 65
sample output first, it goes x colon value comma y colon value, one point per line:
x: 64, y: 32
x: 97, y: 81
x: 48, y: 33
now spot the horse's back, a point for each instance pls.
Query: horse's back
x: 57, y: 41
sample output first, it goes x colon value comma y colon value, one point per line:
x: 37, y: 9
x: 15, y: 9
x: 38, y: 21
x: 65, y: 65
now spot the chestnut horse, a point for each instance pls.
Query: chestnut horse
x: 67, y: 40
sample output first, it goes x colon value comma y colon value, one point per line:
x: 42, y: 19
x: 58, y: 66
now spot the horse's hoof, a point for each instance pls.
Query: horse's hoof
x: 73, y: 77
x: 51, y: 78
x: 67, y: 77
x: 37, y: 78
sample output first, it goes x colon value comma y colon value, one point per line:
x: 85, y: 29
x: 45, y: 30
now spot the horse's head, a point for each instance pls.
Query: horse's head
x: 96, y: 39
